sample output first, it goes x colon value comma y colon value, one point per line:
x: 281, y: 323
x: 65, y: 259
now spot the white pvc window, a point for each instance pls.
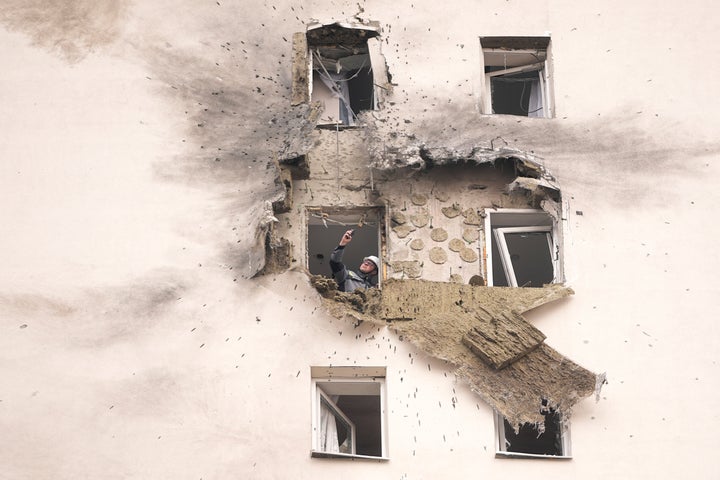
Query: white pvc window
x: 526, y: 254
x: 348, y: 415
x: 547, y: 439
x: 522, y: 248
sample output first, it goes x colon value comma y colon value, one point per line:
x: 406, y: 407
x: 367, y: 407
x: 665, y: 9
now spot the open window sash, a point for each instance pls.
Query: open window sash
x: 527, y: 255
x: 333, y: 423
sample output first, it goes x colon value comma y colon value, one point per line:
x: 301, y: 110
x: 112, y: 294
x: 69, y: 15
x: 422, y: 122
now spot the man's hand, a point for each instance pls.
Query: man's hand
x: 346, y: 238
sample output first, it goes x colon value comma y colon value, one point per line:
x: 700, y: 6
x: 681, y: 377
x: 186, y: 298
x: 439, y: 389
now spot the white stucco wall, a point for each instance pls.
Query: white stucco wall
x: 138, y: 150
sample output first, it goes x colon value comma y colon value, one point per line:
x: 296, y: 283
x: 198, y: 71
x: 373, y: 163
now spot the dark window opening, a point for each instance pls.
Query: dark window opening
x: 517, y: 76
x: 342, y: 73
x: 544, y: 438
x: 325, y: 228
x: 364, y: 412
x: 511, y: 94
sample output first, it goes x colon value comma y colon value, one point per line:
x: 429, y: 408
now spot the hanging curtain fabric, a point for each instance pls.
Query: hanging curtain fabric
x: 328, y: 430
x: 535, y: 106
x: 338, y: 85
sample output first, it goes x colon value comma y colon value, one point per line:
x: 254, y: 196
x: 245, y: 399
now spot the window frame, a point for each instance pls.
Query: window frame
x: 530, y: 221
x: 358, y: 379
x: 513, y: 46
x: 347, y: 218
x: 500, y: 441
x: 505, y: 255
x: 304, y: 76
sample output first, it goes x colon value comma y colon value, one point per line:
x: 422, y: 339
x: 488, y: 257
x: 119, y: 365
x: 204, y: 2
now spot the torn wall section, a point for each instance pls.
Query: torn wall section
x: 435, y: 317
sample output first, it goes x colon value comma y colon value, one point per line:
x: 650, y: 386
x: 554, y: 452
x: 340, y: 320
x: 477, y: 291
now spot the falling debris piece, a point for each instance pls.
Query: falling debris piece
x: 439, y: 234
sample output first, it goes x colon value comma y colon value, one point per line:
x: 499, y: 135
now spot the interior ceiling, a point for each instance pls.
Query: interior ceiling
x: 510, y: 58
x: 337, y: 63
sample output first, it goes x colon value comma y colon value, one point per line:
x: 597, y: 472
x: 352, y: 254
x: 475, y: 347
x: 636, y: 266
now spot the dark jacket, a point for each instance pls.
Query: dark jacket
x: 349, y: 280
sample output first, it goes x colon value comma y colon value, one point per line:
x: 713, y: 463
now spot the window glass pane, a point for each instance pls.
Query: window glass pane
x: 335, y: 432
x: 531, y: 258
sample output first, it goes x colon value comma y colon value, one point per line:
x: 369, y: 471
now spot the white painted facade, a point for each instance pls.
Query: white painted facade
x: 139, y: 146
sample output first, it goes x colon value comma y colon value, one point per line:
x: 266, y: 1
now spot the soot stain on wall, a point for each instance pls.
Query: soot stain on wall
x: 72, y: 28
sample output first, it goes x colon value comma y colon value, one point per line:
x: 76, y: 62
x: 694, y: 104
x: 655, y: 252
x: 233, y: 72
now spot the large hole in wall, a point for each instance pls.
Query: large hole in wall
x: 327, y: 225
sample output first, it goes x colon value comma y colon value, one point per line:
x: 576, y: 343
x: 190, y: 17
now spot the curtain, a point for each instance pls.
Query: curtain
x: 328, y: 430
x: 535, y: 106
x: 338, y: 85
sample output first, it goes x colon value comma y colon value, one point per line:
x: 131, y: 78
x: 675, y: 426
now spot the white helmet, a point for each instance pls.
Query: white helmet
x: 374, y: 260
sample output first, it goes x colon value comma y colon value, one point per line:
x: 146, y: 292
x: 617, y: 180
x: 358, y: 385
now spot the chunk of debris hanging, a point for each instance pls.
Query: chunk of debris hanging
x: 502, y: 339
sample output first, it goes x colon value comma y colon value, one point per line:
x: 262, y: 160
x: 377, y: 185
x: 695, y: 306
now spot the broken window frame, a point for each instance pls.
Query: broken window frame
x: 348, y: 217
x: 305, y: 62
x: 517, y: 46
x: 357, y: 381
x: 501, y: 441
x: 529, y: 223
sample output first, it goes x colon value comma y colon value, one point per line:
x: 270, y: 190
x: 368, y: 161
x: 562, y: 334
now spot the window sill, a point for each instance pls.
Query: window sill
x: 531, y: 455
x: 316, y: 454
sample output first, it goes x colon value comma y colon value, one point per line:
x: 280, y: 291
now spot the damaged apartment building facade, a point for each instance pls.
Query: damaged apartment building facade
x: 537, y: 179
x: 451, y: 225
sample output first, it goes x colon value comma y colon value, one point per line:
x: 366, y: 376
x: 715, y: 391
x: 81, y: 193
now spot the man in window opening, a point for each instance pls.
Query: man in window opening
x: 349, y: 280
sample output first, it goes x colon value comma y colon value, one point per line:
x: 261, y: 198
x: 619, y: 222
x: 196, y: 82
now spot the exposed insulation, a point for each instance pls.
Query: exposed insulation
x: 501, y: 339
x: 436, y: 316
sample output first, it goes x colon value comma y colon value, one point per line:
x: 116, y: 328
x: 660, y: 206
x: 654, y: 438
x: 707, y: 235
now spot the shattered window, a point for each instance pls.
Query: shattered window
x: 342, y: 71
x: 349, y: 412
x: 547, y: 438
x: 326, y: 226
x: 523, y: 250
x: 517, y: 76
